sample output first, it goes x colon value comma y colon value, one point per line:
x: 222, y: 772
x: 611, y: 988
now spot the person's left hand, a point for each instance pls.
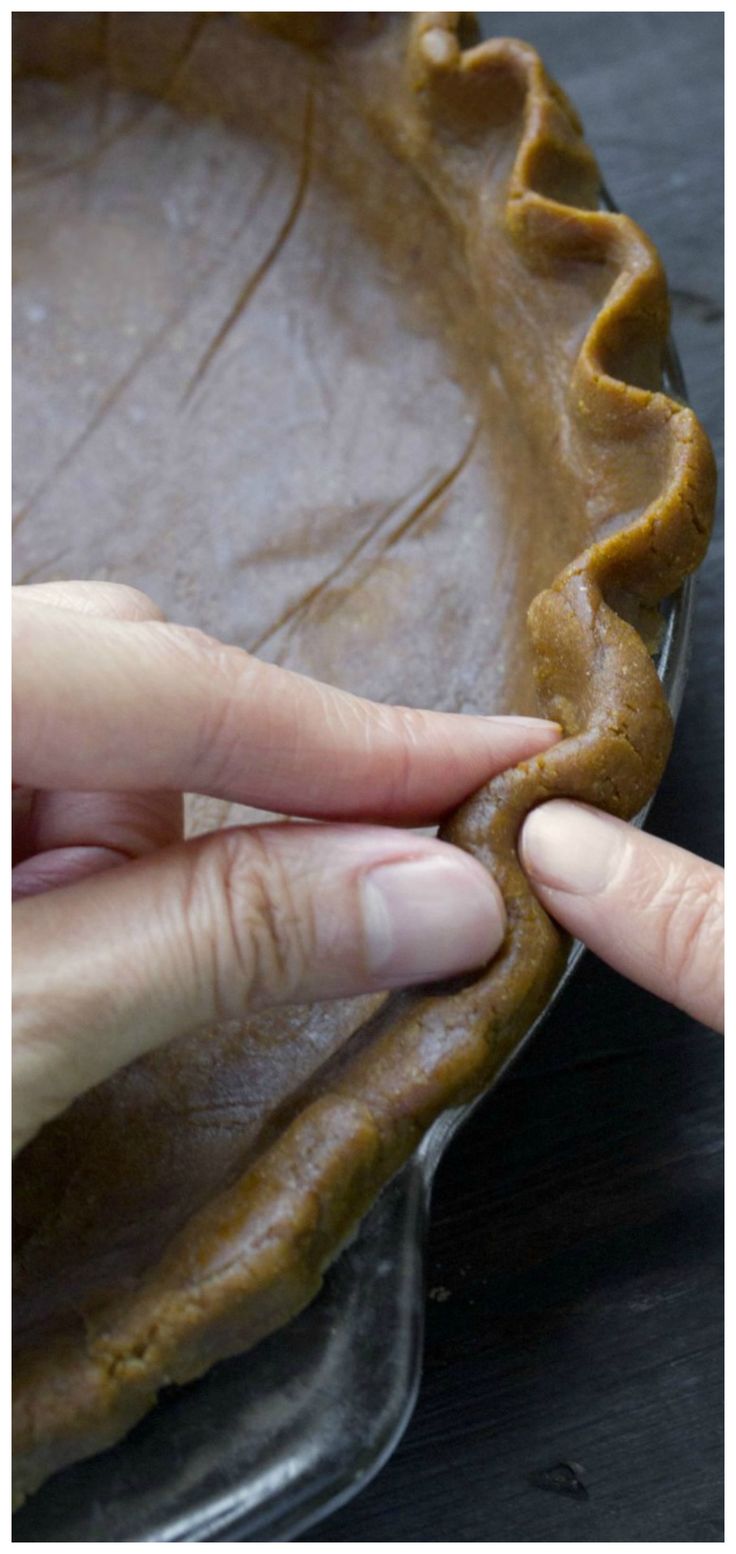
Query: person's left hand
x: 124, y: 934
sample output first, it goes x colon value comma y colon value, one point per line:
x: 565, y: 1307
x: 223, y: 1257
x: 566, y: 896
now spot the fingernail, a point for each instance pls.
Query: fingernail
x: 569, y: 847
x: 430, y: 917
x: 543, y: 725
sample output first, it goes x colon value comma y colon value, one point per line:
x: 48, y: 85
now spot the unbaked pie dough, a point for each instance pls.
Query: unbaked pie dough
x: 322, y: 340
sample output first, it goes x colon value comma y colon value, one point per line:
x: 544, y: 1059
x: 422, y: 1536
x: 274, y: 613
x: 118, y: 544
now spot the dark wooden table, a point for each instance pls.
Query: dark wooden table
x: 574, y: 1274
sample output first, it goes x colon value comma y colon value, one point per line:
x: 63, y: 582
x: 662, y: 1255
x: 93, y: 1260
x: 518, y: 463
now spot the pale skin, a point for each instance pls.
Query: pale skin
x: 125, y: 935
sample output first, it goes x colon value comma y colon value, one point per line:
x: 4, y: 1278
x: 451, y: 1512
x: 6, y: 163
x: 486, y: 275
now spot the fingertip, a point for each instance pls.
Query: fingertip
x: 570, y: 847
x: 515, y: 739
x: 544, y: 728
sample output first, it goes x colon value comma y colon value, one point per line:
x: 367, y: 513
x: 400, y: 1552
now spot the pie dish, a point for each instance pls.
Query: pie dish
x: 324, y: 340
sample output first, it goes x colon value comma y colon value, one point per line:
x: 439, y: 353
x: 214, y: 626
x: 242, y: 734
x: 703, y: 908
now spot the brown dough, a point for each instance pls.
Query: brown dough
x: 322, y: 341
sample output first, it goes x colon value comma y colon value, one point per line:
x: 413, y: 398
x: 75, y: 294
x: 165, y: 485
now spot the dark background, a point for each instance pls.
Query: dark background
x: 574, y: 1309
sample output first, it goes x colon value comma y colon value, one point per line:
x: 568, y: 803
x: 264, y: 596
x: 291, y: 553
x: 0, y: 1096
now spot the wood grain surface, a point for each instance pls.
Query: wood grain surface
x: 573, y: 1364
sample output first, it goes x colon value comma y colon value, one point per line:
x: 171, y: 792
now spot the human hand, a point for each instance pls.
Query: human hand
x: 651, y: 910
x: 124, y: 934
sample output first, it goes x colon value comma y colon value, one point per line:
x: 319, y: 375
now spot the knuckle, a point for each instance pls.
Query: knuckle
x: 398, y: 779
x: 406, y: 728
x: 259, y: 939
x: 224, y: 675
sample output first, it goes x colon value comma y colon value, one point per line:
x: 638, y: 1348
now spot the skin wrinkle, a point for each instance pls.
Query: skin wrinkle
x: 113, y: 601
x: 200, y: 906
x: 402, y: 772
x: 275, y: 930
x: 214, y: 744
x: 668, y: 891
x: 268, y: 935
x: 685, y: 941
x: 345, y: 713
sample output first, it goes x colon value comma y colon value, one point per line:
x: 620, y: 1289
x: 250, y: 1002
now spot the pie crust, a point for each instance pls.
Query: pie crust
x: 461, y: 206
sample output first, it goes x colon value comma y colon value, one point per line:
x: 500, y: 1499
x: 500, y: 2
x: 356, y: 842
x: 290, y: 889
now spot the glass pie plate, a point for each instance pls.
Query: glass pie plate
x: 267, y: 1444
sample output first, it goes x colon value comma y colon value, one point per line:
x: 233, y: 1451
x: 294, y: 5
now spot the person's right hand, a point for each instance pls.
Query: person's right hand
x: 651, y: 910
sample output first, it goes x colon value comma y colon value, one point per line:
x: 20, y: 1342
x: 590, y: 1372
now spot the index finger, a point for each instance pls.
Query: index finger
x: 650, y: 909
x: 107, y: 704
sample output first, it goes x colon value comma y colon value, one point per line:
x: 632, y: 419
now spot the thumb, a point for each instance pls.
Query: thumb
x: 651, y: 910
x: 113, y: 966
